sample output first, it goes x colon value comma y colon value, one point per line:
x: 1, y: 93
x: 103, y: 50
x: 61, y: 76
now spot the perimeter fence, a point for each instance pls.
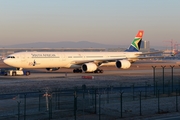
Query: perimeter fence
x: 89, y: 102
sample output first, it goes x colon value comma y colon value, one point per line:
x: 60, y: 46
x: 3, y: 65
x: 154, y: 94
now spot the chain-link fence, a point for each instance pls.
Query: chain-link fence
x: 88, y: 102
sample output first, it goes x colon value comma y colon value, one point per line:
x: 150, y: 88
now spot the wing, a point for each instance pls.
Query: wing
x: 136, y: 57
x: 100, y: 61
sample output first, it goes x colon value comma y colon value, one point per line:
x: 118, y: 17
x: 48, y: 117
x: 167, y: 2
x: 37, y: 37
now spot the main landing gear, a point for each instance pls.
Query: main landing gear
x: 80, y: 71
x: 77, y: 71
x: 98, y: 71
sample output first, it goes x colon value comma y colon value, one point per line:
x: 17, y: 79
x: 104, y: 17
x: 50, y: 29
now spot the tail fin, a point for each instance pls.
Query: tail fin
x: 136, y: 43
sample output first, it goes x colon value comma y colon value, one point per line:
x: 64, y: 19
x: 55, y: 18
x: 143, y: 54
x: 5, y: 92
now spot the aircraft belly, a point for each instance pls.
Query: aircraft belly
x: 108, y: 64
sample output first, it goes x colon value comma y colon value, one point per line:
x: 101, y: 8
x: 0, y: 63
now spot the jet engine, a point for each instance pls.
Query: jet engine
x: 124, y: 64
x: 52, y: 69
x: 89, y: 67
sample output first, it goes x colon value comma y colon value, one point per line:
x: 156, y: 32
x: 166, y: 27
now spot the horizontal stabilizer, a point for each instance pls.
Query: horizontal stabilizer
x: 148, y: 53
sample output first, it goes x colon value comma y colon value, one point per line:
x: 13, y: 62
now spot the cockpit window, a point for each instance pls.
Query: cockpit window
x: 10, y: 57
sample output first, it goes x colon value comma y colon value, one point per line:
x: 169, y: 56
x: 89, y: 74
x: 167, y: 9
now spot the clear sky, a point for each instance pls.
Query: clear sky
x: 103, y: 21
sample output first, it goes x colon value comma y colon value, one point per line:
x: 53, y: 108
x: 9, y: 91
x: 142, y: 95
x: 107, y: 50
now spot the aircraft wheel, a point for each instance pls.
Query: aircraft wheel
x: 80, y: 71
x: 13, y: 73
x: 101, y: 71
x: 27, y: 73
x: 77, y: 71
x: 98, y: 71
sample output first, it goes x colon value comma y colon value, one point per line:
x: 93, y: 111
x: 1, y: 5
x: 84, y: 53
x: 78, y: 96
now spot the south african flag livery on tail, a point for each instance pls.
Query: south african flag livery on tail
x: 135, y: 45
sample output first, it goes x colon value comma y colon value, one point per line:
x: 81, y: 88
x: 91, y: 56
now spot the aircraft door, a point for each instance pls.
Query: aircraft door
x: 63, y: 57
x: 23, y: 58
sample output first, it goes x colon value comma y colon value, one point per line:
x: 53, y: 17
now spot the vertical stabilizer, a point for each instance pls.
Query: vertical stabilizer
x: 136, y: 43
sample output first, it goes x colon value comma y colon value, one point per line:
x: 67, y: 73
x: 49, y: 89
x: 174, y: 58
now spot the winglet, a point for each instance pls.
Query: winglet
x: 136, y: 43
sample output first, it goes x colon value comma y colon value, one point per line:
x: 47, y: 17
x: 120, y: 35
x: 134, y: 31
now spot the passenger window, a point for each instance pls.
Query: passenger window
x: 10, y: 57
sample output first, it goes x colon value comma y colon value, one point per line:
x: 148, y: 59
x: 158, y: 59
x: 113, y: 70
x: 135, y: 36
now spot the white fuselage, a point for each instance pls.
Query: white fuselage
x: 63, y: 59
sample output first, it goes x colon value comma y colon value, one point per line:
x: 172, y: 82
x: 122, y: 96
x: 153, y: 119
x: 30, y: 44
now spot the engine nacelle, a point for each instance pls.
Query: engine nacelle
x: 124, y: 64
x: 52, y: 69
x: 89, y: 67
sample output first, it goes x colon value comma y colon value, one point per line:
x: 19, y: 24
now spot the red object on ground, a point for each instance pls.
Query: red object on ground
x: 88, y: 77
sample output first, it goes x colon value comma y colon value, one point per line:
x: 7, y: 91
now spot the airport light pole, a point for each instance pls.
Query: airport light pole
x: 19, y: 107
x: 163, y: 77
x: 169, y: 88
x: 146, y: 89
x: 154, y: 67
x: 25, y: 106
x: 39, y: 100
x: 176, y: 100
x: 156, y: 88
x: 75, y: 104
x: 50, y: 106
x: 158, y: 102
x: 140, y: 113
x: 99, y: 106
x: 172, y: 66
x: 121, y: 93
x: 133, y: 91
x: 95, y: 91
x: 19, y: 102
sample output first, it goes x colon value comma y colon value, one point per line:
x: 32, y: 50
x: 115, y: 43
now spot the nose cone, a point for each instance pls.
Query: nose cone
x: 6, y: 61
x: 11, y: 62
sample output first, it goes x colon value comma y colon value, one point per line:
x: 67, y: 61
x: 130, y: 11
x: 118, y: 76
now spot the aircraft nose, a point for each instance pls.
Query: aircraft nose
x: 6, y: 61
x: 9, y: 62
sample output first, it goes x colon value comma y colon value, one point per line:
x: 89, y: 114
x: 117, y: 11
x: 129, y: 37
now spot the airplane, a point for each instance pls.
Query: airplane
x: 79, y: 61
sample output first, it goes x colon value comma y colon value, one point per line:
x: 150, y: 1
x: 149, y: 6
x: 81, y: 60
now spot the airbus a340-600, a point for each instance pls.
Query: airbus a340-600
x: 78, y: 61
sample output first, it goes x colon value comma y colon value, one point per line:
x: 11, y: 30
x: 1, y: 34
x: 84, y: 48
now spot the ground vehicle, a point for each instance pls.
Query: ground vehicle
x: 16, y: 73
